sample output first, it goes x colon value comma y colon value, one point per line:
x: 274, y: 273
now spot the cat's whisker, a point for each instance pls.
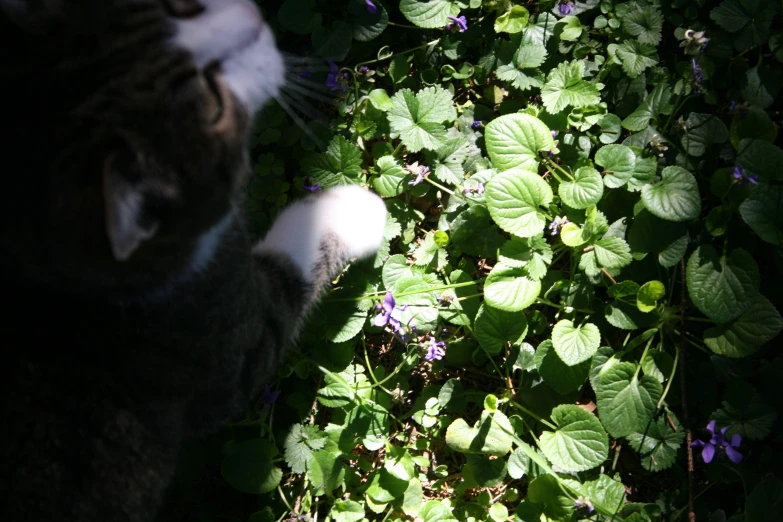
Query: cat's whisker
x: 305, y: 107
x: 302, y: 125
x: 307, y: 93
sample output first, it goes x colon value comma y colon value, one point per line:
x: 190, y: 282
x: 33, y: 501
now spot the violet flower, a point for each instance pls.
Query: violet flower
x: 334, y: 81
x: 718, y: 442
x: 476, y: 189
x: 475, y: 125
x: 385, y: 317
x: 436, y: 350
x: 565, y: 8
x: 558, y: 223
x: 420, y: 171
x: 739, y: 174
x: 371, y: 7
x: 583, y: 503
x: 461, y: 22
x: 268, y: 397
x: 312, y: 188
x: 698, y: 75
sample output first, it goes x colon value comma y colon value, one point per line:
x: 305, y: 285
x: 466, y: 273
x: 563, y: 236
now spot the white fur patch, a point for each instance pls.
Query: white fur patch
x: 355, y: 216
x: 233, y: 33
x: 208, y: 242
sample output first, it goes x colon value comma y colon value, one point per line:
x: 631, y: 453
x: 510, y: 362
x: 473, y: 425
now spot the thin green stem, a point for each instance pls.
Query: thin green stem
x: 547, y: 302
x: 555, y: 166
x: 444, y: 189
x: 669, y: 382
x: 407, y: 51
x: 521, y: 408
x: 644, y: 354
x: 699, y: 319
x: 285, y: 500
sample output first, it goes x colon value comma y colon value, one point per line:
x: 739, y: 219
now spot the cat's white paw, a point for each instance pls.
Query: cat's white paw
x: 347, y: 218
x: 356, y: 216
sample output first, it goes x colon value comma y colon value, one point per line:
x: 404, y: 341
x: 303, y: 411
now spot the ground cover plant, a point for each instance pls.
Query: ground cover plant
x: 575, y: 313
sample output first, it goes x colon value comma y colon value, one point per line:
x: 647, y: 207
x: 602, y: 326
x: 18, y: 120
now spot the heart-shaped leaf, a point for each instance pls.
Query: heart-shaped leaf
x: 575, y: 344
x: 580, y: 442
x: 515, y: 198
x: 586, y: 189
x: 675, y: 197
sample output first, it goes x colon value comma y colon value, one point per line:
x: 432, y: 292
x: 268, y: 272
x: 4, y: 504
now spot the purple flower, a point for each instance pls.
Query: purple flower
x: 312, y: 188
x: 475, y: 125
x: 554, y: 134
x: 718, y: 441
x: 739, y: 174
x: 305, y: 73
x: 477, y: 189
x: 385, y: 317
x: 557, y: 224
x: 371, y: 7
x: 363, y: 69
x: 584, y: 503
x: 420, y: 171
x: 565, y: 8
x: 698, y: 75
x: 435, y: 350
x: 461, y: 22
x: 334, y: 81
x: 268, y: 397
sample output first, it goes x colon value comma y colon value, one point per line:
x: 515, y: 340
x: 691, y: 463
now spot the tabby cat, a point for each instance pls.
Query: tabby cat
x: 137, y: 309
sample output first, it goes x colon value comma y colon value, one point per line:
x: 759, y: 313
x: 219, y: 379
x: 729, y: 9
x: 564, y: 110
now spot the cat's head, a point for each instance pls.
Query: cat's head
x: 130, y: 119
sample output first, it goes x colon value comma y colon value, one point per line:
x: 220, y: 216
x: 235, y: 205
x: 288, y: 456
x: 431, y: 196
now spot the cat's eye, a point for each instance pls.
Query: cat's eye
x: 183, y: 8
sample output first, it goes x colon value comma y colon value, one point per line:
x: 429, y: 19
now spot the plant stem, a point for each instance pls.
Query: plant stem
x: 525, y: 410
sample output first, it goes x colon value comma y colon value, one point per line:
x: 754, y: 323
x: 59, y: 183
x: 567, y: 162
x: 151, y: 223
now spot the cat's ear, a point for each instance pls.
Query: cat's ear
x: 128, y: 225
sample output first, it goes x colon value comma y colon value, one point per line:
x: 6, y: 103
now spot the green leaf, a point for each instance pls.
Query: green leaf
x: 761, y: 85
x: 413, y: 498
x: 248, y: 468
x: 513, y: 141
x: 325, y: 468
x: 393, y: 180
x: 399, y: 463
x: 461, y: 312
x: 300, y: 444
x: 380, y: 100
x: 649, y: 294
x: 485, y: 472
x: 333, y: 42
x: 572, y: 28
x: 298, y: 16
x: 474, y: 233
x: 448, y: 160
x: 510, y: 289
x: 748, y: 19
x: 580, y: 442
x: 675, y: 197
x: 605, y: 494
x: 341, y: 164
x: 575, y: 344
x: 498, y: 512
x: 763, y: 213
x: 518, y: 464
x: 722, y: 287
x: 546, y: 490
x: 765, y: 502
x: 436, y: 511
x: 557, y: 374
x: 515, y: 198
x: 706, y: 130
x: 755, y: 125
x: 657, y: 443
x: 612, y: 252
x: 429, y: 253
x: 512, y: 21
x: 644, y: 23
x: 565, y: 86
x: 430, y: 14
x: 762, y: 158
x: 745, y: 413
x: 656, y: 103
x: 419, y: 118
x: 586, y: 189
x: 491, y: 435
x: 611, y: 128
x: 385, y: 487
x: 636, y: 56
x: 626, y: 403
x: 758, y: 325
x: 366, y: 25
x: 347, y: 511
x: 422, y: 309
x: 618, y: 162
x: 496, y: 328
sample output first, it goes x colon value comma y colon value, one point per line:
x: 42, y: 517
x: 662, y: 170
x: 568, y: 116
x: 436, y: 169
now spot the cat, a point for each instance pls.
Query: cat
x: 138, y: 309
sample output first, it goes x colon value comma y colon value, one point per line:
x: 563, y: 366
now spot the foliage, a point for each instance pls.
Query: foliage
x: 586, y: 270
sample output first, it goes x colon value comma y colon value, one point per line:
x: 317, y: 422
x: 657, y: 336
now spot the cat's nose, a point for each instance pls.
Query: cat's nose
x: 219, y: 30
